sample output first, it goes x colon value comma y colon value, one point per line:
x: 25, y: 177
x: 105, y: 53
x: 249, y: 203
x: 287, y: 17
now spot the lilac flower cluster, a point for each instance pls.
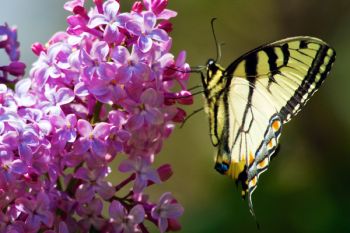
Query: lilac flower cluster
x: 8, y: 41
x: 106, y: 87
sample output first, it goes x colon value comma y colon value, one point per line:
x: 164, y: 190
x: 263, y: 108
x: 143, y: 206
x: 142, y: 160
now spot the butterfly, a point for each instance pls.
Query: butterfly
x: 249, y: 101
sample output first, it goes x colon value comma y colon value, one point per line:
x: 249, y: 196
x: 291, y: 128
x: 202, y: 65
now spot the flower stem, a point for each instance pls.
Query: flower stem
x: 97, y: 110
x: 143, y: 228
x: 125, y: 182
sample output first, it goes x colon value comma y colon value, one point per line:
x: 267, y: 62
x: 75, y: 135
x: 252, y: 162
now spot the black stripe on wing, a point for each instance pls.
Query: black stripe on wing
x: 251, y: 64
x: 324, y: 56
x: 309, y: 85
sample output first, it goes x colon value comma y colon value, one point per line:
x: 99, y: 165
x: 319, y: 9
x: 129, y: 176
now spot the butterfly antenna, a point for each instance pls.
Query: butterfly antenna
x: 218, y: 47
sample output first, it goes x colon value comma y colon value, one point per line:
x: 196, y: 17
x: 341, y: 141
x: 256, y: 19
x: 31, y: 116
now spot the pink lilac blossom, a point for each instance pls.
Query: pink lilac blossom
x: 106, y: 87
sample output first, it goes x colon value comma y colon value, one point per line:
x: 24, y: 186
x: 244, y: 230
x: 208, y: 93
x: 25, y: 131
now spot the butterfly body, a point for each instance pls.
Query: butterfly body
x: 248, y: 102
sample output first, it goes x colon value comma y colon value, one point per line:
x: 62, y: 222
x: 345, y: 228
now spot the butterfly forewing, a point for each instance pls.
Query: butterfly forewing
x: 291, y: 70
x: 255, y: 95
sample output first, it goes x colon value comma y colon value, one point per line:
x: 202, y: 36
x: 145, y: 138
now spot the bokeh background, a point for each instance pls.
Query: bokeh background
x: 307, y: 187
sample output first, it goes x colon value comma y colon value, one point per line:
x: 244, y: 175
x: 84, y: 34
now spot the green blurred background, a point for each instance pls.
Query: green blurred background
x: 307, y: 187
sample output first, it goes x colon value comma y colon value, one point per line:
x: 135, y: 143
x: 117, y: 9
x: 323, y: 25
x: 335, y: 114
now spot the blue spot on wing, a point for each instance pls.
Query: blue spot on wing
x: 222, y: 167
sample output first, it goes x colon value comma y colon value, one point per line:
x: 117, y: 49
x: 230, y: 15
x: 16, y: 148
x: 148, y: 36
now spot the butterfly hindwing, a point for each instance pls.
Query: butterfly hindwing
x: 250, y: 100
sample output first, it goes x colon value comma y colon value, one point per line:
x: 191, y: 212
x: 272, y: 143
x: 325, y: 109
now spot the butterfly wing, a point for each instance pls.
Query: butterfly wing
x: 291, y: 70
x: 253, y: 130
x: 264, y: 89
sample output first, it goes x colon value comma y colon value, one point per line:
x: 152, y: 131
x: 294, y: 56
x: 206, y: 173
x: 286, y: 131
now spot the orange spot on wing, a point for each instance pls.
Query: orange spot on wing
x: 251, y: 158
x: 253, y: 182
x: 276, y: 125
x: 263, y: 163
x: 270, y: 144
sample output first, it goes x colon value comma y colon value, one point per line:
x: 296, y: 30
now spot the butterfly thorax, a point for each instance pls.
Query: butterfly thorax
x: 214, y: 82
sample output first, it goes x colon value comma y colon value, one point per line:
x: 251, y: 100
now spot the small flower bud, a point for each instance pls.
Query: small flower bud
x: 37, y: 48
x: 165, y: 172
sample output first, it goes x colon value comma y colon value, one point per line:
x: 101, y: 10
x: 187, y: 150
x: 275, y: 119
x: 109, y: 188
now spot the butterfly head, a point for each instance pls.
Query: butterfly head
x: 212, y: 66
x: 214, y: 74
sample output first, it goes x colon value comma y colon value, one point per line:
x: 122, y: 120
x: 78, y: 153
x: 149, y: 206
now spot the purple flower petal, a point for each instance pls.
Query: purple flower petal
x: 144, y: 43
x: 3, y: 88
x: 85, y: 58
x: 101, y: 130
x: 19, y: 167
x: 30, y: 138
x: 139, y: 185
x: 166, y: 14
x: 134, y: 27
x: 72, y: 119
x: 81, y: 90
x: 22, y: 86
x: 98, y: 87
x: 25, y: 152
x: 45, y: 126
x: 138, y: 214
x: 84, y: 128
x: 141, y: 72
x: 116, y: 210
x: 135, y: 122
x: 100, y: 50
x: 63, y: 227
x: 82, y: 173
x: 71, y: 136
x: 98, y: 147
x: 97, y: 20
x: 120, y: 54
x: 123, y: 18
x: 180, y: 60
x: 70, y: 5
x: 111, y: 8
x: 106, y: 71
x: 152, y: 175
x: 159, y: 35
x: 147, y: 4
x: 149, y: 97
x: 149, y: 20
x: 53, y: 72
x: 126, y: 166
x: 162, y: 224
x: 64, y: 96
x: 84, y: 193
x: 112, y: 34
x: 174, y: 210
x: 81, y: 146
x: 124, y: 74
x: 2, y: 127
x: 10, y: 138
x: 154, y: 116
x: 165, y: 198
x: 106, y: 190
